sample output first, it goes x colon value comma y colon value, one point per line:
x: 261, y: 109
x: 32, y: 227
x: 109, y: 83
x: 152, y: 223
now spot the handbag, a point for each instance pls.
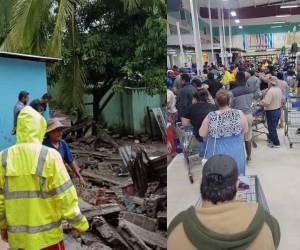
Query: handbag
x: 204, y: 159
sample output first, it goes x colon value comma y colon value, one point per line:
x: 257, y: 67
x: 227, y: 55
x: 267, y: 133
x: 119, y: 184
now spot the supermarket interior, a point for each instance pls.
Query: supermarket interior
x: 233, y: 124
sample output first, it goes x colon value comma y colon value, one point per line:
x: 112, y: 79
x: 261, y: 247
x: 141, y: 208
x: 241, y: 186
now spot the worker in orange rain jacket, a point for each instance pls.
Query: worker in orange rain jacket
x: 36, y: 192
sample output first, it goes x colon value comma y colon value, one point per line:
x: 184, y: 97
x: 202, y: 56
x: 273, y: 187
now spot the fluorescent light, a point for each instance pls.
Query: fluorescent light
x: 237, y: 20
x: 240, y: 26
x: 278, y: 26
x: 278, y: 22
x: 288, y: 6
x: 233, y: 13
x: 283, y: 15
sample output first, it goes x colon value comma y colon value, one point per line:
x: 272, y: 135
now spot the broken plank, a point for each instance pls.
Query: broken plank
x: 109, y: 234
x: 98, y: 178
x: 90, y: 153
x: 155, y: 240
x: 132, y: 238
x: 140, y: 220
x: 109, y: 210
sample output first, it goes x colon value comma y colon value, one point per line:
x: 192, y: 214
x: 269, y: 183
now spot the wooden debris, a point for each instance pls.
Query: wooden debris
x: 154, y: 240
x: 107, y: 210
x: 90, y: 238
x: 109, y: 234
x: 132, y: 238
x: 98, y: 246
x: 144, y: 170
x: 98, y: 179
x: 145, y: 200
x: 140, y: 220
x: 104, y: 137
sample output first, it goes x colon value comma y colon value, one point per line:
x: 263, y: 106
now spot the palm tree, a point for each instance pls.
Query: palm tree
x: 39, y: 27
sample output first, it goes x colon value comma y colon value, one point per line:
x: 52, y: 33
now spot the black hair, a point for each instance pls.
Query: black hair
x: 46, y: 96
x: 22, y: 94
x: 252, y: 72
x: 201, y: 95
x: 196, y: 82
x: 215, y: 188
x: 210, y: 76
x: 290, y: 72
x: 240, y: 78
x: 279, y: 75
x: 185, y: 77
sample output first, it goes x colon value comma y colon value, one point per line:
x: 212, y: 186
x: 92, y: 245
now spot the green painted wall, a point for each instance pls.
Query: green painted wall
x: 54, y: 91
x: 127, y: 111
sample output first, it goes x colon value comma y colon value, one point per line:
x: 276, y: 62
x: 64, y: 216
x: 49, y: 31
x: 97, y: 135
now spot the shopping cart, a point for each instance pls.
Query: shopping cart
x: 259, y: 122
x: 292, y: 120
x: 189, y: 144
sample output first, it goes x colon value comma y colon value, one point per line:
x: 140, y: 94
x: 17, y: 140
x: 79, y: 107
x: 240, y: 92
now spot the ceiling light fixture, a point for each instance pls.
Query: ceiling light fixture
x: 278, y: 22
x: 233, y: 13
x: 288, y: 6
x: 237, y: 21
x: 278, y: 26
x: 240, y: 26
x: 283, y: 15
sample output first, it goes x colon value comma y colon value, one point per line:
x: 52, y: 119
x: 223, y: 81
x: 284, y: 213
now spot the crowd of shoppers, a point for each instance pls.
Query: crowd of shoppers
x: 220, y: 105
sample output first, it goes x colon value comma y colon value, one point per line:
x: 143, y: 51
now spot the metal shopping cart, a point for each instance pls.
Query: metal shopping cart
x: 292, y: 120
x: 189, y: 144
x: 259, y: 122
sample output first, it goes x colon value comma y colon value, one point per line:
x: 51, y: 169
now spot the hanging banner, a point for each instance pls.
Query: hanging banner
x: 258, y: 41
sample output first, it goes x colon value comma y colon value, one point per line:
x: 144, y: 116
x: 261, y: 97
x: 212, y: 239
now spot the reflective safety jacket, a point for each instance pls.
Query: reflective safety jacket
x: 36, y: 192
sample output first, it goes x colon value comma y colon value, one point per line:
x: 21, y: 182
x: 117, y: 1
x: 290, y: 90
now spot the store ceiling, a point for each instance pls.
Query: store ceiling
x: 261, y: 14
x: 249, y: 12
x: 234, y: 4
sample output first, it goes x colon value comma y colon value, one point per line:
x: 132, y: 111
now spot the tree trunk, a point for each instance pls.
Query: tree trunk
x: 98, y: 94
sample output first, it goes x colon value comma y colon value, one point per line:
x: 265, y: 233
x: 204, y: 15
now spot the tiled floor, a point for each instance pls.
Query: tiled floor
x: 279, y: 172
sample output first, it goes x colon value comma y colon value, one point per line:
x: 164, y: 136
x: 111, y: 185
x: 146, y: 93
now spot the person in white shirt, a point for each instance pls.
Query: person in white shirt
x: 171, y: 102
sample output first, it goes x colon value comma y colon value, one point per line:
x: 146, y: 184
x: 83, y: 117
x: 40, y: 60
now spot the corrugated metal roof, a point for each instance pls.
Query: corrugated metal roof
x: 29, y: 57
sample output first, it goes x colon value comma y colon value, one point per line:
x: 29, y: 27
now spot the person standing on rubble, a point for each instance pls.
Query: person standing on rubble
x: 36, y: 190
x: 54, y: 140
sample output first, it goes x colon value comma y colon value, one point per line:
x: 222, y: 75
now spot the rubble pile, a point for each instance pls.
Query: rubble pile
x: 125, y: 200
